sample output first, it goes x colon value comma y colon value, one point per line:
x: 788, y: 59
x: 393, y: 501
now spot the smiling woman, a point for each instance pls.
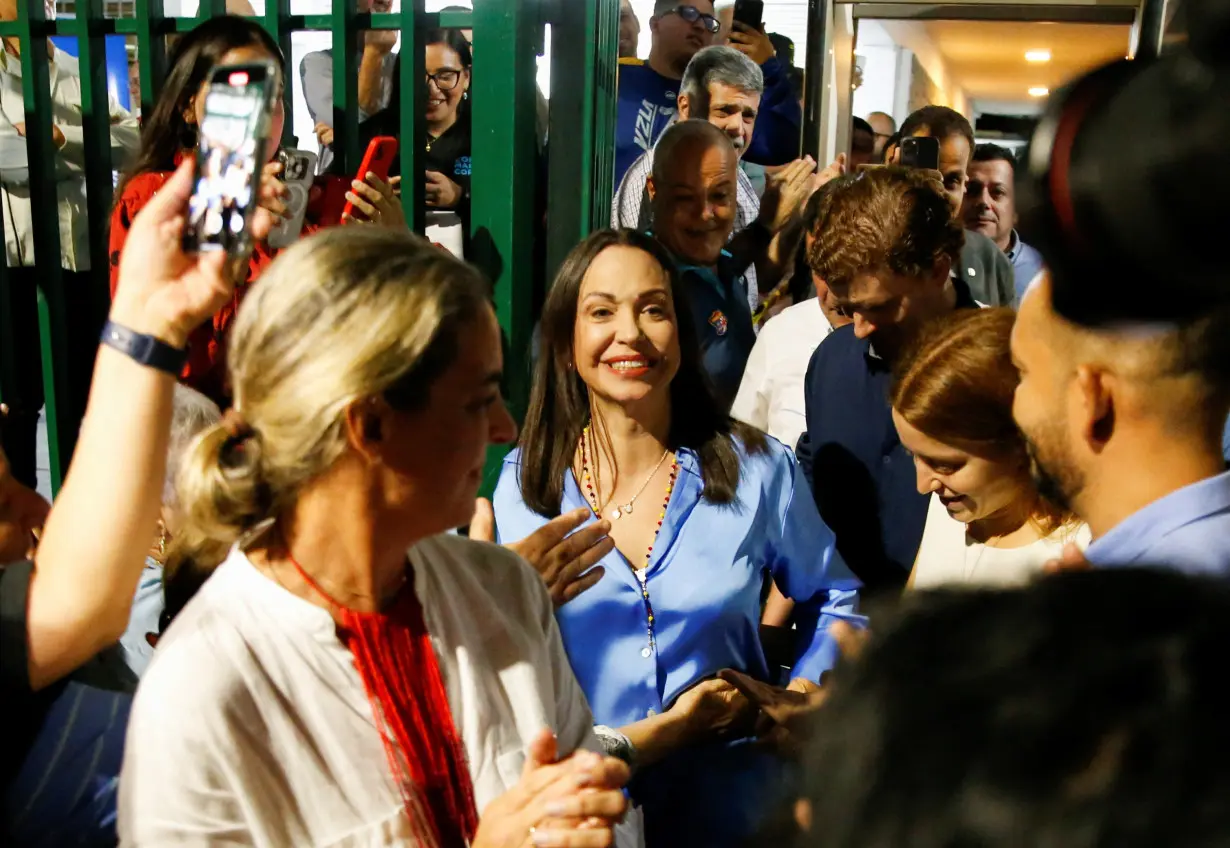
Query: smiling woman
x: 952, y: 406
x: 702, y: 512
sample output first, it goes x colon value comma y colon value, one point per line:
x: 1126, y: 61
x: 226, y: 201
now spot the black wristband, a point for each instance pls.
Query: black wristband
x: 144, y: 349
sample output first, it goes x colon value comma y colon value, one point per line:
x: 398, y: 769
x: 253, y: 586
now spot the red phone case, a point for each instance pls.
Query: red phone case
x: 379, y: 158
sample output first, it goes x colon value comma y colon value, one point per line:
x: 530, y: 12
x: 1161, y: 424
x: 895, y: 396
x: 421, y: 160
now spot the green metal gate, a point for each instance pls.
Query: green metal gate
x: 508, y: 35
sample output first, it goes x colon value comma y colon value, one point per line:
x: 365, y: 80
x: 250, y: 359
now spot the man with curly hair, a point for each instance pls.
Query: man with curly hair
x: 887, y: 246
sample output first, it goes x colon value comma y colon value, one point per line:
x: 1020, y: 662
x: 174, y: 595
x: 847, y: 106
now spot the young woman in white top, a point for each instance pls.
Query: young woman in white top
x: 348, y: 675
x: 952, y: 404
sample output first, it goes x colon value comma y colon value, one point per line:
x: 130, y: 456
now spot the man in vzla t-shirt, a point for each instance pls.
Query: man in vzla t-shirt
x: 648, y: 90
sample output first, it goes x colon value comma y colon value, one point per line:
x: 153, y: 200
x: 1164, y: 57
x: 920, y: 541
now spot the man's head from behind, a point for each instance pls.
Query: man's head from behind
x: 1092, y: 402
x: 693, y: 189
x: 723, y: 87
x: 884, y: 242
x: 990, y: 195
x: 1087, y: 709
x: 680, y: 28
x: 956, y: 138
x: 884, y: 127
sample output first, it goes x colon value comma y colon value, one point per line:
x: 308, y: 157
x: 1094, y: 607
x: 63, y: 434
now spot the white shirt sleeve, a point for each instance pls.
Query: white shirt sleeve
x: 751, y: 404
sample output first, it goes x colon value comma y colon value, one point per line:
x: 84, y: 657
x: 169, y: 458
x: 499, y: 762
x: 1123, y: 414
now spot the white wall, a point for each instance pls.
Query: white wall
x: 912, y: 36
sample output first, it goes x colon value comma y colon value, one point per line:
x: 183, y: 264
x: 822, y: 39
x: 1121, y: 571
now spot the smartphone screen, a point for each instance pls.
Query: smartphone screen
x: 750, y: 13
x: 230, y: 155
x: 920, y: 152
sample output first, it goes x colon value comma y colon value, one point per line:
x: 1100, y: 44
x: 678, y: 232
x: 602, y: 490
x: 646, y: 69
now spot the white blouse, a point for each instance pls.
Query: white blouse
x: 947, y: 556
x: 251, y: 725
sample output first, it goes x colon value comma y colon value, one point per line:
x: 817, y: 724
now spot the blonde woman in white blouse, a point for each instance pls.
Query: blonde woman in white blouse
x: 988, y: 524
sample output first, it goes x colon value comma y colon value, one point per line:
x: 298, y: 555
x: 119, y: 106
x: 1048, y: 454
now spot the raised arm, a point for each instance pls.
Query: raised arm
x: 92, y: 552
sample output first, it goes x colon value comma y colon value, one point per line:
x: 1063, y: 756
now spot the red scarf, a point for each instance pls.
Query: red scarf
x: 394, y: 657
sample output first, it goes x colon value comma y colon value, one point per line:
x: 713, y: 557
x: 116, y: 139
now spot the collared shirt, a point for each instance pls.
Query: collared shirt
x: 722, y: 320
x: 862, y: 477
x: 65, y: 74
x: 1188, y: 530
x: 147, y: 606
x: 1026, y: 264
x: 705, y: 578
x: 771, y: 393
x: 986, y: 271
x: 630, y: 208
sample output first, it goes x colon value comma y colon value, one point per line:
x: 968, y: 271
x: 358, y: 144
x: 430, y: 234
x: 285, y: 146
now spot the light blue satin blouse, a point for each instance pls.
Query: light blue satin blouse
x: 705, y: 579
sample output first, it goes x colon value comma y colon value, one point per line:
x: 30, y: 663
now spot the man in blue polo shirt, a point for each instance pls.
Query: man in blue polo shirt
x: 886, y: 244
x: 1125, y: 426
x: 693, y: 188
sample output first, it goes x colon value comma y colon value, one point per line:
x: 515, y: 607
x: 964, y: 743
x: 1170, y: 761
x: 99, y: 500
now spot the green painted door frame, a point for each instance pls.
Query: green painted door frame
x: 510, y: 171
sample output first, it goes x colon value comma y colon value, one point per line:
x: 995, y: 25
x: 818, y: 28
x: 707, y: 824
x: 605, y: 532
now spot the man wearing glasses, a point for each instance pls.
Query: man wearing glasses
x: 648, y: 90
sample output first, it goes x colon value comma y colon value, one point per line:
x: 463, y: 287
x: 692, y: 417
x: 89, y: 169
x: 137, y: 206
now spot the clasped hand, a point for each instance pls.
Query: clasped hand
x: 571, y: 803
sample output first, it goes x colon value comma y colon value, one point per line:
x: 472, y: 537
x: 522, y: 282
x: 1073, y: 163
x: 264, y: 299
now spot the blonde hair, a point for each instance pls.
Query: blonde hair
x: 348, y: 314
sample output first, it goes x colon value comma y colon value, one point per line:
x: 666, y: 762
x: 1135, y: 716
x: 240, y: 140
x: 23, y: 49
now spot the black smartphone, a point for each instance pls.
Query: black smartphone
x: 231, y: 151
x: 750, y: 13
x: 920, y: 152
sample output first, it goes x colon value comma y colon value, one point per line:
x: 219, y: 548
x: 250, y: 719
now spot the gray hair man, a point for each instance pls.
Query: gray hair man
x: 722, y: 86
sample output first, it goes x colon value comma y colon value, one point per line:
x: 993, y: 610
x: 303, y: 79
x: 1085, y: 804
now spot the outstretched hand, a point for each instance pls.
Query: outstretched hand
x: 784, y: 712
x: 566, y: 560
x: 1072, y: 558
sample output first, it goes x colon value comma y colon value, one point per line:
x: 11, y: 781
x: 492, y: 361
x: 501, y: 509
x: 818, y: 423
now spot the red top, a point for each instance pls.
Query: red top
x: 205, y: 369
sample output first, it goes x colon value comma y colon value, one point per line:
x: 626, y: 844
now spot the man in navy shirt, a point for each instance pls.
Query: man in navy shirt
x: 886, y: 244
x: 692, y: 188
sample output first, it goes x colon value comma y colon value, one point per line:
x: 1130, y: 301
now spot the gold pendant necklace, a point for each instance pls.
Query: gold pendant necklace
x: 619, y: 511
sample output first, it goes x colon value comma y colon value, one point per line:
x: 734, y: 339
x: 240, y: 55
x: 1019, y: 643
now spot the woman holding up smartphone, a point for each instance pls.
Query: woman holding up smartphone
x: 170, y: 134
x: 447, y: 146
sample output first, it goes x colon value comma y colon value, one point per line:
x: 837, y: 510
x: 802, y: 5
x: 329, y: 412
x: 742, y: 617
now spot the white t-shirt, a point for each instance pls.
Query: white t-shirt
x: 771, y: 393
x: 946, y: 556
x: 251, y: 725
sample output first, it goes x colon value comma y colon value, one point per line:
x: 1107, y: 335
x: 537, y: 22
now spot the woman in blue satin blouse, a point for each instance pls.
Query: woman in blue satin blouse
x: 703, y: 511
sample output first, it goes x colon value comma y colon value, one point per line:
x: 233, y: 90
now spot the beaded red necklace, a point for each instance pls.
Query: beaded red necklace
x: 642, y: 573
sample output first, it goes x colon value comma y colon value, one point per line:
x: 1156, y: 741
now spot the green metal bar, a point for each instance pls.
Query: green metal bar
x: 584, y: 44
x: 413, y: 114
x: 96, y: 130
x: 151, y: 50
x: 606, y: 93
x: 347, y: 52
x: 41, y: 153
x: 504, y: 150
x: 274, y: 22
